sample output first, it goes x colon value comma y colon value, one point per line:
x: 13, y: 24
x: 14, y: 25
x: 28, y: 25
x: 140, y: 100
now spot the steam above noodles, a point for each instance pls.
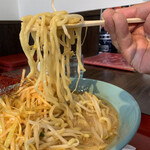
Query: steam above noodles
x: 42, y: 113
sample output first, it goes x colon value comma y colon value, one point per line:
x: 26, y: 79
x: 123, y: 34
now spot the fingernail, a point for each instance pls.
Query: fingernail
x: 117, y: 10
x: 147, y: 37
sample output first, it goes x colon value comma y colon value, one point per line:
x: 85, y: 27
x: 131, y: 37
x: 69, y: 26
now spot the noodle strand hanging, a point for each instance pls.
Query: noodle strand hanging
x: 43, y: 113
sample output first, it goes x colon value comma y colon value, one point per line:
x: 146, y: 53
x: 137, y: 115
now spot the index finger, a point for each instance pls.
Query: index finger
x: 136, y: 11
x: 124, y: 37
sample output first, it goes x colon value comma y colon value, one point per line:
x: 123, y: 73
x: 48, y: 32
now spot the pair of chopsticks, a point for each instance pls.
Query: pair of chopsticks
x: 99, y: 23
x: 102, y: 23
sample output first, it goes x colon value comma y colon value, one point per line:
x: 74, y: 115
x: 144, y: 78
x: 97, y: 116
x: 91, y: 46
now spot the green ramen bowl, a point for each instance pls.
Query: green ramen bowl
x: 126, y: 106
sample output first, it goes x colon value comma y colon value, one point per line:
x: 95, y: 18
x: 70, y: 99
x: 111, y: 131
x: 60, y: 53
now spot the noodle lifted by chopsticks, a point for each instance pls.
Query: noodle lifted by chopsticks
x: 43, y: 114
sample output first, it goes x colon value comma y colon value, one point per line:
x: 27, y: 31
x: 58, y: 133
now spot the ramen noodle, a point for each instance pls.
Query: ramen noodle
x: 42, y: 113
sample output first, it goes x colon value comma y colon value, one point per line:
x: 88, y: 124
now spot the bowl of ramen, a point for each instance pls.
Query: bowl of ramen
x: 48, y: 110
x: 126, y: 106
x: 106, y: 117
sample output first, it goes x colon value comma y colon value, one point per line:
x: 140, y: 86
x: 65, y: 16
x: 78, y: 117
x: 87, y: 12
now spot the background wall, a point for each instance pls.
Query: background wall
x: 85, y: 5
x: 28, y: 7
x: 14, y: 9
x: 9, y: 10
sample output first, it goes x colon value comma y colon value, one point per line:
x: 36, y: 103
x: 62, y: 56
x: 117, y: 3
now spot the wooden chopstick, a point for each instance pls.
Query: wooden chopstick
x: 97, y: 23
x: 102, y: 22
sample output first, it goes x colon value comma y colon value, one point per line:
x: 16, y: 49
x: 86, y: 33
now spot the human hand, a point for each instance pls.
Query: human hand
x: 131, y: 39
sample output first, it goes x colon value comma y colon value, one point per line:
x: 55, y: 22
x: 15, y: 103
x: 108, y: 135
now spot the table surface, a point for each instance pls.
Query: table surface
x: 138, y: 85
